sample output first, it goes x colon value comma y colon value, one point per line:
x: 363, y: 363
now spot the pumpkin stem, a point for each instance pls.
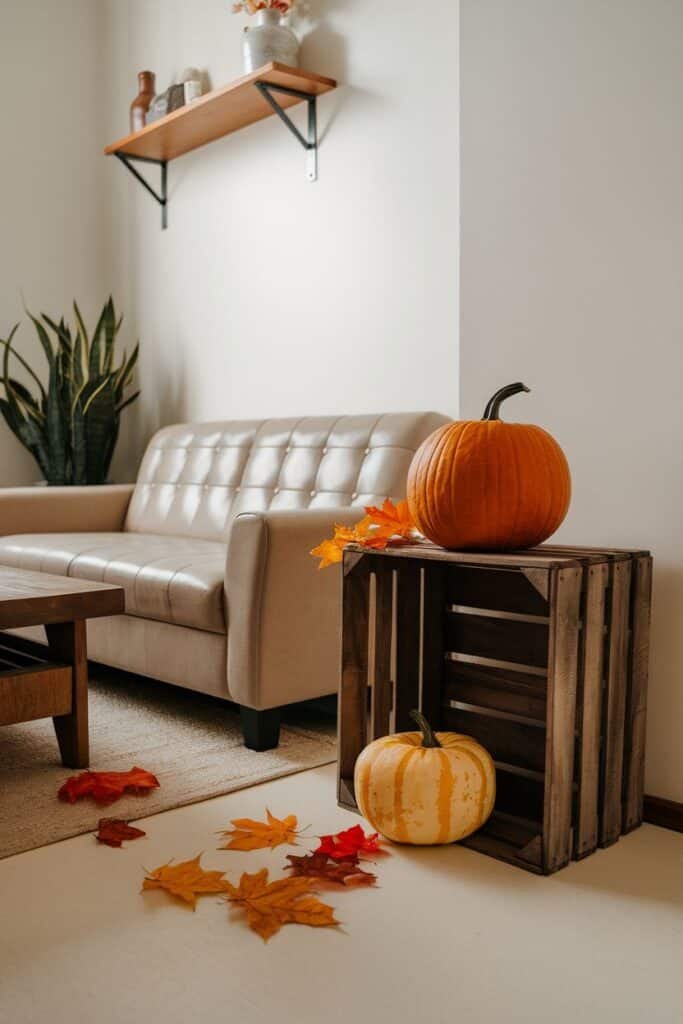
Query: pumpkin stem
x: 428, y: 736
x: 492, y: 410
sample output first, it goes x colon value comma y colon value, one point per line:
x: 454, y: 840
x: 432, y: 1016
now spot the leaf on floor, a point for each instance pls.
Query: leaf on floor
x: 269, y: 905
x: 346, y: 873
x: 106, y: 787
x: 350, y: 844
x: 186, y: 880
x: 113, y: 831
x: 261, y: 835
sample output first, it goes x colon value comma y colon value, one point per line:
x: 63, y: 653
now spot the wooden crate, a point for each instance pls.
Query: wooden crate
x: 541, y: 655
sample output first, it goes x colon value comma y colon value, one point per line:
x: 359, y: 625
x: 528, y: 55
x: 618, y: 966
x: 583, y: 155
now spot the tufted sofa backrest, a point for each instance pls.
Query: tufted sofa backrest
x: 196, y: 477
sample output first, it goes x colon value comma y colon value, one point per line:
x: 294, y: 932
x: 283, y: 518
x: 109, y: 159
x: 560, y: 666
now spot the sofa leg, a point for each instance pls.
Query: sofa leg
x: 260, y: 729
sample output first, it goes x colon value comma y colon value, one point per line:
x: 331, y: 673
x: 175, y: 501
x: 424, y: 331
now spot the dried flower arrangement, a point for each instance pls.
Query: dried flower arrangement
x: 252, y: 6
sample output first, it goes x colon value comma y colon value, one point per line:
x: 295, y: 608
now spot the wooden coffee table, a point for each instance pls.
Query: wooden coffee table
x: 50, y: 682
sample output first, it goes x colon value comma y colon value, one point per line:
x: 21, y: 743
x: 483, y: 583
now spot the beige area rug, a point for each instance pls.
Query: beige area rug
x: 192, y: 743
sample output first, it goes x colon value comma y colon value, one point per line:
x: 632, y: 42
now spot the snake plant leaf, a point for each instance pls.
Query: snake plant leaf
x: 55, y: 426
x: 78, y: 446
x: 24, y: 396
x: 127, y: 401
x: 44, y: 340
x: 100, y: 415
x: 110, y: 331
x: 125, y: 372
x: 102, y: 340
x: 82, y: 329
x: 7, y: 342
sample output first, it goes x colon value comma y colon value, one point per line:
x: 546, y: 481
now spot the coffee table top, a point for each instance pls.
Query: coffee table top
x: 37, y: 598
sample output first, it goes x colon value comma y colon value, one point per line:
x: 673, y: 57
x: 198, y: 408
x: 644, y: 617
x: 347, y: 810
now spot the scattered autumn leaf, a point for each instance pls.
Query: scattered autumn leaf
x: 319, y: 865
x: 261, y: 835
x: 381, y: 527
x: 391, y: 520
x: 186, y: 880
x: 330, y: 551
x: 349, y: 844
x: 105, y: 787
x: 269, y: 905
x: 112, y: 831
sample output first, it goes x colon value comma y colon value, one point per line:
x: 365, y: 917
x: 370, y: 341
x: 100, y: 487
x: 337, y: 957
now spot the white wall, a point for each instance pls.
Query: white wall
x: 572, y: 275
x: 52, y: 247
x: 269, y: 295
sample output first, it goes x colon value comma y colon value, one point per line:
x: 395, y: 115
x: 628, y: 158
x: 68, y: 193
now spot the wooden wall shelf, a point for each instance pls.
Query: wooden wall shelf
x: 269, y: 90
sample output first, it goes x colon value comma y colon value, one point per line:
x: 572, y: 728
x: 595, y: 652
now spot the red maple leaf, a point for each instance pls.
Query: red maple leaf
x: 349, y: 844
x: 105, y: 787
x: 112, y: 831
x: 320, y: 866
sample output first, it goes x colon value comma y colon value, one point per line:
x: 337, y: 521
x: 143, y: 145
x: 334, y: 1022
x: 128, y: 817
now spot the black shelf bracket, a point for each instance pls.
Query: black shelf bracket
x: 161, y: 198
x: 310, y: 144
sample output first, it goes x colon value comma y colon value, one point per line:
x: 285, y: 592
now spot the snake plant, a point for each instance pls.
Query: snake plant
x: 70, y: 424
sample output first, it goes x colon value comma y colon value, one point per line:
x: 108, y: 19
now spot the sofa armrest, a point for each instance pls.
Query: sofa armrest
x: 63, y: 509
x: 283, y: 612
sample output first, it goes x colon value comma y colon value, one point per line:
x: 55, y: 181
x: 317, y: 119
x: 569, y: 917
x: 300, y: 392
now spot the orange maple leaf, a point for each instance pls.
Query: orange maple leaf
x: 269, y: 905
x: 391, y: 520
x: 261, y: 835
x: 186, y: 880
x: 330, y: 551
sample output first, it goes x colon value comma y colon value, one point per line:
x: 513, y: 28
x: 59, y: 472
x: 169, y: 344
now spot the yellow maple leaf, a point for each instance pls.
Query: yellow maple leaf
x: 186, y: 880
x: 248, y: 834
x: 269, y: 905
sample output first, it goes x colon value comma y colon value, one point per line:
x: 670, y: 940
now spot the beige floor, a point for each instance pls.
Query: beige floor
x: 450, y: 937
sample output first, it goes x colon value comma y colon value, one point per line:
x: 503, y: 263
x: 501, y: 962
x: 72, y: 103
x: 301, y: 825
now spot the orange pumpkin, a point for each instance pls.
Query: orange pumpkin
x: 485, y: 484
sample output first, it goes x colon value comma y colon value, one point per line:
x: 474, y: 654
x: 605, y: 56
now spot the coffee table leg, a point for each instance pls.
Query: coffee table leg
x: 68, y: 642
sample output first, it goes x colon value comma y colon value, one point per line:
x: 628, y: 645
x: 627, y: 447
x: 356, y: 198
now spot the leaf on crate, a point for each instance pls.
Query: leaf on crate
x: 106, y: 787
x: 269, y: 905
x: 388, y: 526
x: 330, y: 551
x: 346, y: 873
x: 113, y: 831
x: 186, y: 880
x: 261, y: 835
x: 350, y: 844
x: 391, y: 520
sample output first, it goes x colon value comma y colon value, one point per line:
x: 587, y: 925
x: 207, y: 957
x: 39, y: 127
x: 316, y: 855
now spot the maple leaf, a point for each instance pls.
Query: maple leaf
x: 186, y: 880
x: 319, y: 865
x: 261, y: 835
x: 269, y: 905
x: 391, y: 520
x: 112, y: 831
x: 349, y: 844
x: 330, y: 551
x: 105, y: 787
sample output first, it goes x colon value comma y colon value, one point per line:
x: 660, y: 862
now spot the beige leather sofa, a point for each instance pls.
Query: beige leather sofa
x: 212, y: 546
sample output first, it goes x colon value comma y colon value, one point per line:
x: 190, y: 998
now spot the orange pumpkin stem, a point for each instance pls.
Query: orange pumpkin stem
x: 428, y: 735
x: 492, y: 410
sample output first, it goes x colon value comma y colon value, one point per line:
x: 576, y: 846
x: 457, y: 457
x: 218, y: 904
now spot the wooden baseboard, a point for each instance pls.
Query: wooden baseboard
x: 665, y: 813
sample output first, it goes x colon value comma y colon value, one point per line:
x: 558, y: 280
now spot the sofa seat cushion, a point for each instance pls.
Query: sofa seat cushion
x: 170, y: 579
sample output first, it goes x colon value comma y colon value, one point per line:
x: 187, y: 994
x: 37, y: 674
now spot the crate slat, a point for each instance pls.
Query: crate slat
x: 636, y: 697
x: 591, y: 670
x: 502, y: 639
x: 408, y: 607
x: 506, y: 590
x: 614, y: 710
x: 382, y: 684
x: 354, y: 672
x: 498, y: 689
